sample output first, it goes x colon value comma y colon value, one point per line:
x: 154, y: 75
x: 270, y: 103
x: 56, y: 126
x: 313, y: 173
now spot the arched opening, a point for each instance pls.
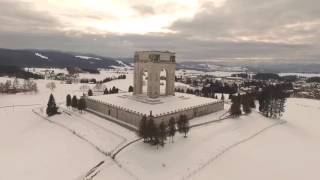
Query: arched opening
x: 163, y: 82
x: 145, y: 82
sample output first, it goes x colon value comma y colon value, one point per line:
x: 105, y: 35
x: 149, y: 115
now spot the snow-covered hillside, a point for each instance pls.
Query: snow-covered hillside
x: 68, y: 145
x: 88, y: 58
x: 41, y: 56
x: 286, y: 152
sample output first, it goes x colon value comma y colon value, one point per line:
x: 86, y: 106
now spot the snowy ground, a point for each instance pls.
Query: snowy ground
x: 33, y: 149
x: 250, y: 147
x: 300, y: 74
x: 290, y: 151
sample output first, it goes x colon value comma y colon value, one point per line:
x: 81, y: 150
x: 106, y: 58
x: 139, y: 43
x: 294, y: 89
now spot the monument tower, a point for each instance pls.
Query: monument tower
x: 153, y: 62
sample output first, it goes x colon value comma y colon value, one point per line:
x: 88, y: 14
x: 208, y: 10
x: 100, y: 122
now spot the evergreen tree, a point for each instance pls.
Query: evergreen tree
x: 81, y: 104
x: 74, y: 102
x: 183, y: 125
x: 235, y: 109
x: 90, y: 93
x: 162, y: 133
x: 172, y: 128
x: 106, y: 91
x: 245, y: 104
x: 51, y: 106
x: 130, y: 89
x: 68, y: 100
x: 142, y: 132
x: 251, y: 100
x: 151, y: 130
x: 222, y: 97
x: 230, y: 96
x: 114, y: 90
x: 272, y: 100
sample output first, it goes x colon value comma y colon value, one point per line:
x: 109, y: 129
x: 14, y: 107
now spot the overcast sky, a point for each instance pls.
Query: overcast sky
x: 236, y: 30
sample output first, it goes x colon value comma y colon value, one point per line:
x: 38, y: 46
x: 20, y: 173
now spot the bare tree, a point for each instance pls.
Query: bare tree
x: 51, y: 85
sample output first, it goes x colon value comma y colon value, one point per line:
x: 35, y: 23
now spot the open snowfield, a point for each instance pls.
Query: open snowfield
x: 250, y: 147
x: 290, y: 151
x: 33, y: 149
x: 301, y: 74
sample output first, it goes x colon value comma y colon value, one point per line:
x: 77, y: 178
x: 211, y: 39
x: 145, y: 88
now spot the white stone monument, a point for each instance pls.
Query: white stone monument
x: 154, y: 62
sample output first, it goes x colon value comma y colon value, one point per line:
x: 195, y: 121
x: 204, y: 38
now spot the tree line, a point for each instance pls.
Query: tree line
x: 107, y: 79
x: 76, y: 103
x: 242, y: 103
x: 272, y: 100
x: 13, y: 71
x: 16, y: 86
x: 154, y: 134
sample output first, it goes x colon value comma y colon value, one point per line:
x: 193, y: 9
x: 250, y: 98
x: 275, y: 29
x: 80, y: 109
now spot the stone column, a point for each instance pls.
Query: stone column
x: 171, y: 80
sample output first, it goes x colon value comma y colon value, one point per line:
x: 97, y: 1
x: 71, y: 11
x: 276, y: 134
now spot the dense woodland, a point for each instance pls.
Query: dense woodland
x: 13, y: 71
x: 272, y: 100
x: 313, y: 80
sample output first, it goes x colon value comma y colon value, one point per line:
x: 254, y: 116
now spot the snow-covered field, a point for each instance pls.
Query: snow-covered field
x: 250, y: 147
x: 286, y: 152
x: 300, y: 74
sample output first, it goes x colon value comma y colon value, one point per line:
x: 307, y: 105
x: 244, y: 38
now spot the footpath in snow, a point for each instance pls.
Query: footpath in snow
x: 101, y: 133
x: 188, y: 156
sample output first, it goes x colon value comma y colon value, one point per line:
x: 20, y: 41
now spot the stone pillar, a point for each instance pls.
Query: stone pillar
x: 153, y: 82
x: 137, y: 79
x: 170, y: 80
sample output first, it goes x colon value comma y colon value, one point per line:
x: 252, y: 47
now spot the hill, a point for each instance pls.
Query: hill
x: 47, y: 58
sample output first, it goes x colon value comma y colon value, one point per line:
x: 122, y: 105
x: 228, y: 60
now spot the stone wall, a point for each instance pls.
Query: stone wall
x: 133, y: 117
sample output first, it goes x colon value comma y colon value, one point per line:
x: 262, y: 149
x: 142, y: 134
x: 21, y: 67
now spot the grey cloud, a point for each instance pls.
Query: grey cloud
x: 20, y: 16
x: 209, y: 36
x: 125, y: 45
x: 144, y: 9
x: 250, y: 18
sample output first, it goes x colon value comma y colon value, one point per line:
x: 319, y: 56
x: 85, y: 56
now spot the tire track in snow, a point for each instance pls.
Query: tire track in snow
x: 73, y: 132
x: 230, y: 147
x: 20, y: 105
x: 108, y: 154
x: 124, y: 140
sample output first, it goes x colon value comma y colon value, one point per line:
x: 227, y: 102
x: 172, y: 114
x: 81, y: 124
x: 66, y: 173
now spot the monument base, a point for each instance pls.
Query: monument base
x: 131, y: 108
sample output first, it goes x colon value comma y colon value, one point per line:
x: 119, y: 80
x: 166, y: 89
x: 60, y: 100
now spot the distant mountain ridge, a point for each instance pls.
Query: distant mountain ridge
x: 48, y: 58
x: 279, y: 67
x: 59, y: 59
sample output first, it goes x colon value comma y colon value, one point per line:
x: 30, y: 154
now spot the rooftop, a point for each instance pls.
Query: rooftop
x: 163, y: 104
x: 155, y: 52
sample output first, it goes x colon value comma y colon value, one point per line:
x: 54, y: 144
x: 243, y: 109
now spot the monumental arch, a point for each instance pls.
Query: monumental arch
x: 128, y: 109
x: 153, y: 62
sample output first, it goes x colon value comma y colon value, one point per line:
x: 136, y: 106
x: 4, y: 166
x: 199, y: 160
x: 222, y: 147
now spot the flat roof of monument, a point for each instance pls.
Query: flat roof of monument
x: 164, y: 104
x: 155, y: 52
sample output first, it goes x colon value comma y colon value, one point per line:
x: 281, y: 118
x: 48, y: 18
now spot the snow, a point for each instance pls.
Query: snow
x: 189, y: 73
x: 104, y: 134
x: 42, y: 56
x: 158, y: 106
x: 290, y: 151
x: 43, y: 70
x: 37, y: 149
x: 122, y: 64
x: 34, y: 149
x: 301, y: 74
x: 249, y: 147
x: 88, y: 58
x: 187, y: 156
x: 106, y: 73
